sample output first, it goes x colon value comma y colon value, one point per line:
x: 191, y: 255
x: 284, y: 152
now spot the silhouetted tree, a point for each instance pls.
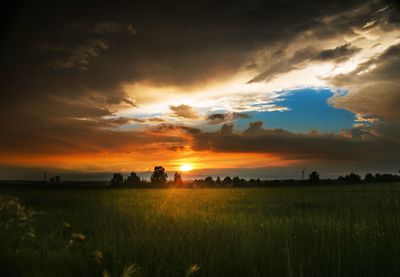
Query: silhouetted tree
x: 133, y: 179
x: 254, y: 182
x: 117, y: 179
x: 369, y: 178
x: 314, y: 177
x: 353, y: 178
x: 238, y: 182
x: 197, y: 183
x: 218, y: 182
x: 209, y: 181
x: 159, y: 177
x: 227, y: 181
x: 383, y: 178
x: 178, y: 179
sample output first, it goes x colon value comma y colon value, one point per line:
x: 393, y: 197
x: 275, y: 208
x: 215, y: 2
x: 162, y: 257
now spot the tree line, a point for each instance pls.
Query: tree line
x: 159, y: 178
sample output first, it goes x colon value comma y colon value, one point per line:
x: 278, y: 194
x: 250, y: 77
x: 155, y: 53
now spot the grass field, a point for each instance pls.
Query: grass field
x: 307, y: 231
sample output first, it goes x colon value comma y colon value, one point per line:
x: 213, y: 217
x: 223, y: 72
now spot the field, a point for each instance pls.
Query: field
x: 288, y: 231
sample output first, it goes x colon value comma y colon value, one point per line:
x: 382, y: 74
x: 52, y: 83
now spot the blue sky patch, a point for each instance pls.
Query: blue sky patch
x: 308, y: 110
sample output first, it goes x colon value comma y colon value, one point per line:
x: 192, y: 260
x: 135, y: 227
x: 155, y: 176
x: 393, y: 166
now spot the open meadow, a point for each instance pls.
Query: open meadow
x: 351, y: 230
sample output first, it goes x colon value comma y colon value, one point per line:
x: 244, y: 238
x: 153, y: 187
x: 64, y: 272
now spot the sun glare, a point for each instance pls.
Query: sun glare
x: 185, y: 167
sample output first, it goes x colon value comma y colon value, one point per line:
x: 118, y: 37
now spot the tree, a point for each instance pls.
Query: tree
x: 369, y: 178
x: 227, y: 181
x: 209, y: 181
x: 254, y: 182
x: 159, y: 177
x: 314, y: 177
x: 354, y: 178
x: 178, y: 179
x: 218, y: 182
x: 133, y: 179
x: 238, y: 182
x: 117, y: 179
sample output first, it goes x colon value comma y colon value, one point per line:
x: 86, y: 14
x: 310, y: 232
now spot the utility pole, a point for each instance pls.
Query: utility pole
x: 302, y: 174
x: 45, y: 177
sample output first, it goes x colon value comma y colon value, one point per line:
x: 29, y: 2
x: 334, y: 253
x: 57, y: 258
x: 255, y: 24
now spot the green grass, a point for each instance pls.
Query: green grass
x: 307, y: 231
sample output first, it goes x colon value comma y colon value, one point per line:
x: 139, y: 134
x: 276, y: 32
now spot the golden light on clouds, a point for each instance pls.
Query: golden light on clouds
x: 190, y: 162
x: 238, y: 94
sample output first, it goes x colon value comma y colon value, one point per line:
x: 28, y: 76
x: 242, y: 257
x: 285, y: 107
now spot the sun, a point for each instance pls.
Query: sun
x: 185, y: 167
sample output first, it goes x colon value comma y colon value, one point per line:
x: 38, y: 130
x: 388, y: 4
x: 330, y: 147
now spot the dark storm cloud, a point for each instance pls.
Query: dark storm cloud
x: 312, y: 146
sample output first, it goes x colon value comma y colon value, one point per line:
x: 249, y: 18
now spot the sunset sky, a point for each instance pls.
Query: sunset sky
x: 250, y: 88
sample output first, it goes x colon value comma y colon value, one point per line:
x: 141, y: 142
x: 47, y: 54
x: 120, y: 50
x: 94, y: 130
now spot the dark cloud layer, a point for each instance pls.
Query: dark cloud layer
x: 78, y: 137
x: 307, y: 147
x: 218, y: 118
x: 179, y: 43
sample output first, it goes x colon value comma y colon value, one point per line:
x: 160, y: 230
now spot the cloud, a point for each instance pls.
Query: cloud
x: 76, y: 57
x: 281, y: 62
x: 184, y: 111
x: 100, y: 27
x: 292, y: 146
x: 83, y: 51
x: 124, y: 120
x: 77, y: 136
x: 116, y: 122
x: 218, y: 118
x: 168, y: 128
x: 338, y: 54
x: 373, y: 88
x: 113, y: 27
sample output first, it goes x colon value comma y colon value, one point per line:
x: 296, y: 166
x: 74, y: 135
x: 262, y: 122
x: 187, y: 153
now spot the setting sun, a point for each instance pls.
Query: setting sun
x: 185, y: 167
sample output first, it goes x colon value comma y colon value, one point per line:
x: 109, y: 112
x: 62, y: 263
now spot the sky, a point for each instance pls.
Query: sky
x: 250, y: 88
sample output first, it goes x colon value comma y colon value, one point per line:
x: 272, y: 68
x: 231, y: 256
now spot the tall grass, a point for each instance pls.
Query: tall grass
x: 328, y: 231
